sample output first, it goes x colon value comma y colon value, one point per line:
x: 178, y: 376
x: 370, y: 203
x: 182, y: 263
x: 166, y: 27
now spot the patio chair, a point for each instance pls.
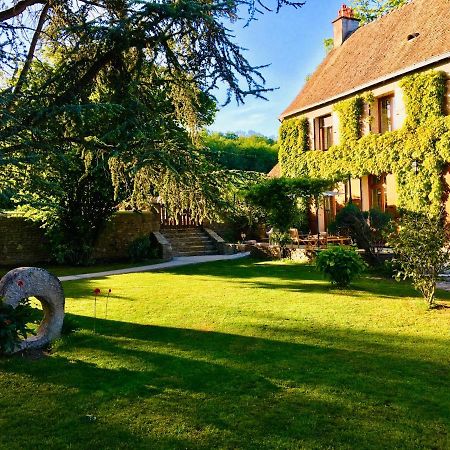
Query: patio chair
x: 293, y: 233
x: 269, y: 235
x: 323, y: 238
x: 308, y: 240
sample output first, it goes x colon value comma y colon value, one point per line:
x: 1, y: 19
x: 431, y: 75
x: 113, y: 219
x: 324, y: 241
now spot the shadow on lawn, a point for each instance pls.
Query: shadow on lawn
x: 296, y: 277
x: 359, y: 390
x: 256, y: 274
x: 360, y: 288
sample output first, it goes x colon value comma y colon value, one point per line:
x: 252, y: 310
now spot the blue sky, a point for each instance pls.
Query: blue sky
x: 292, y: 42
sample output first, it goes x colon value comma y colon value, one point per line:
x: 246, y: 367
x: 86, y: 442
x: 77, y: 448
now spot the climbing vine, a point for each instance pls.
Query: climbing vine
x: 423, y: 94
x: 294, y: 138
x: 350, y: 113
x: 425, y: 138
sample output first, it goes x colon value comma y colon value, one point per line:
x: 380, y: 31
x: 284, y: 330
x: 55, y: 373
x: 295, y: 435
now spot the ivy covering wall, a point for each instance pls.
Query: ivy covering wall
x: 424, y: 137
x: 294, y: 138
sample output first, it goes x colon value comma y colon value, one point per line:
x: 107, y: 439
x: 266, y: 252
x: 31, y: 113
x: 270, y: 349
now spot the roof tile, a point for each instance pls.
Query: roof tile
x: 377, y: 50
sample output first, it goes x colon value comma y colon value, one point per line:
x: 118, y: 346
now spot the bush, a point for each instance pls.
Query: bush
x: 69, y: 326
x: 387, y: 269
x: 141, y: 249
x: 283, y: 240
x: 340, y: 265
x: 421, y: 251
x: 14, y: 325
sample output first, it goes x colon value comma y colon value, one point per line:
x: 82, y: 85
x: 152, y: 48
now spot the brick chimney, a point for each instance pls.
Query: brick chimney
x: 344, y: 25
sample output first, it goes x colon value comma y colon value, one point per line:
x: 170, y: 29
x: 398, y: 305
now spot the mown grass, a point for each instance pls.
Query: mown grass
x: 236, y: 354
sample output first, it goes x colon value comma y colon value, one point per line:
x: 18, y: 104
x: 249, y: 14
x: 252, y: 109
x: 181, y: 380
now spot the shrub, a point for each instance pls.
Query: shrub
x: 387, y: 269
x: 14, y: 325
x: 141, y: 249
x: 340, y: 265
x: 69, y: 326
x: 283, y: 240
x: 421, y: 251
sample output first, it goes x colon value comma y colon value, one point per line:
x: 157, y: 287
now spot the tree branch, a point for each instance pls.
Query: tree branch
x: 34, y: 41
x: 18, y: 9
x: 89, y: 75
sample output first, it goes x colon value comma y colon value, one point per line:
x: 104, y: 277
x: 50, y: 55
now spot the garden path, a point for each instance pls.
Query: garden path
x: 175, y: 262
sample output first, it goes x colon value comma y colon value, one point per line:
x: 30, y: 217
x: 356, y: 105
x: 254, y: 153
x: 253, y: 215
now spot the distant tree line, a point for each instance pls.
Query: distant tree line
x: 255, y: 153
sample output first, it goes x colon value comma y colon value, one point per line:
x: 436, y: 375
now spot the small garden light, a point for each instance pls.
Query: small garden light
x: 415, y: 166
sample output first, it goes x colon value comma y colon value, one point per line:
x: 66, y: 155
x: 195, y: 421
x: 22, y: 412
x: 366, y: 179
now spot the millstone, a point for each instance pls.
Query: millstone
x: 26, y: 282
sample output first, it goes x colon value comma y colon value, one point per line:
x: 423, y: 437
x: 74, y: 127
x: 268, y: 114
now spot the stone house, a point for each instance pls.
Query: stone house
x: 371, y: 62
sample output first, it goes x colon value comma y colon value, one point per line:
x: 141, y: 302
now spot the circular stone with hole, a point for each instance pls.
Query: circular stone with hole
x: 26, y: 282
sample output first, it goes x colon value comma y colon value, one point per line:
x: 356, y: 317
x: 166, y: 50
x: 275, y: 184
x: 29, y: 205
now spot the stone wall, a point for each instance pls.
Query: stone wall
x: 24, y: 243
x: 232, y: 233
x: 21, y: 242
x: 226, y: 231
x: 122, y: 229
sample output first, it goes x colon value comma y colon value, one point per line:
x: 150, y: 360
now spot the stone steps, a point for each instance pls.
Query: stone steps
x: 194, y: 245
x: 196, y: 253
x: 189, y: 241
x: 188, y: 238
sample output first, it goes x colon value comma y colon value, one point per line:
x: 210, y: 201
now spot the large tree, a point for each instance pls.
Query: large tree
x: 188, y: 36
x: 114, y: 90
x: 123, y: 142
x: 370, y: 10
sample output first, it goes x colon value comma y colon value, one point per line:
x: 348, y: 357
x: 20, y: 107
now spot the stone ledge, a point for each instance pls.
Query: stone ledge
x: 218, y: 242
x: 163, y: 245
x: 265, y: 251
x: 268, y: 251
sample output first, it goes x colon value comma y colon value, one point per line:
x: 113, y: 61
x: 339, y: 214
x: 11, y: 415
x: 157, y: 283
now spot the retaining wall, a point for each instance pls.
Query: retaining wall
x: 122, y: 229
x: 21, y: 242
x: 24, y: 243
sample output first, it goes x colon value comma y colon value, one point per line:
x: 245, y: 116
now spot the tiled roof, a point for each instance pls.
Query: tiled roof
x: 377, y: 50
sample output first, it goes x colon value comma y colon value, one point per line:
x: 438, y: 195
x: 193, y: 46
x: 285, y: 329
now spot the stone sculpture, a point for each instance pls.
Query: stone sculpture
x: 26, y: 282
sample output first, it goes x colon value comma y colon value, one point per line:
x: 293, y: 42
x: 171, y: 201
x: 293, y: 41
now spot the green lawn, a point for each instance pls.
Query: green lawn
x: 236, y: 354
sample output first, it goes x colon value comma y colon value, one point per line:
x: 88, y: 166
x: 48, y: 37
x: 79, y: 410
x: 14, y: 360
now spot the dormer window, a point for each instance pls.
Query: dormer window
x: 386, y: 114
x: 324, y: 132
x: 413, y: 36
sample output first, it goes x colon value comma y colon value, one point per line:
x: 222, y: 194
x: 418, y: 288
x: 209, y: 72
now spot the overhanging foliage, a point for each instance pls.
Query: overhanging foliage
x: 285, y: 199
